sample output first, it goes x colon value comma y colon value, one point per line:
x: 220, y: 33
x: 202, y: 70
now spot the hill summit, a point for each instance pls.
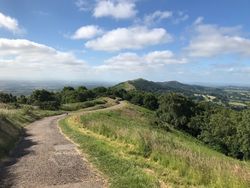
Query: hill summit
x: 167, y: 86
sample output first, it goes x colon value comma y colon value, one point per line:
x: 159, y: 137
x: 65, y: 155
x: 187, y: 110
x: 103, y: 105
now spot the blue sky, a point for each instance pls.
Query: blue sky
x: 117, y: 40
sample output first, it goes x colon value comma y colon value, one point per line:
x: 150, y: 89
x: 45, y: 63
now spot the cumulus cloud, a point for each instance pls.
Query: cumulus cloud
x: 9, y: 23
x: 84, y: 5
x: 212, y: 40
x: 87, y: 32
x: 132, y: 62
x: 125, y: 61
x: 129, y: 38
x: 157, y: 16
x: 179, y: 17
x: 118, y: 9
x: 163, y: 58
x: 19, y: 55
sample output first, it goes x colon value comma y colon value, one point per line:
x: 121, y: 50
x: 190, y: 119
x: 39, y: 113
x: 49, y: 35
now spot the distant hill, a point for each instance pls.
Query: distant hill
x: 169, y: 86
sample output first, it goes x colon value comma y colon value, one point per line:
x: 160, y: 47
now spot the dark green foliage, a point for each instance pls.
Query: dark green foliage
x: 137, y: 98
x: 121, y: 93
x: 150, y: 101
x: 49, y: 105
x: 7, y: 98
x: 243, y: 130
x: 82, y: 89
x: 44, y: 99
x: 70, y: 95
x: 146, y: 99
x: 22, y: 99
x: 176, y: 110
x: 100, y: 91
x: 41, y: 96
x: 68, y: 88
x: 225, y: 130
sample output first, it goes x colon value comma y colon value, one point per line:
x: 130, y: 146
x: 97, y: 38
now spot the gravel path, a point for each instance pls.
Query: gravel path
x: 45, y: 158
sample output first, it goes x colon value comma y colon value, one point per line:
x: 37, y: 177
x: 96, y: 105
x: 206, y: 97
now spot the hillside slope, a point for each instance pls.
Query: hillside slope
x: 170, y: 86
x: 123, y: 144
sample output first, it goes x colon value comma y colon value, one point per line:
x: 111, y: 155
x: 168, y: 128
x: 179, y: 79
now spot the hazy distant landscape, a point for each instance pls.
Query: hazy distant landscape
x: 26, y: 87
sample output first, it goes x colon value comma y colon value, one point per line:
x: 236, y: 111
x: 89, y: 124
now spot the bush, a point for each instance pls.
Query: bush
x: 176, y: 110
x: 49, y: 105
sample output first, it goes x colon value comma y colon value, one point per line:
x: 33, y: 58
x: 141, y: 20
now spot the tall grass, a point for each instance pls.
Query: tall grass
x: 12, y: 122
x: 171, y: 158
x: 81, y: 105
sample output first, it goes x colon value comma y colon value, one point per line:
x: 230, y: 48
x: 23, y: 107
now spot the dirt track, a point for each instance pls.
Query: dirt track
x: 45, y: 158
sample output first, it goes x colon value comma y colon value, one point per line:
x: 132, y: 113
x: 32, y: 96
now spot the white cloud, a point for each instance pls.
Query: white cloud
x: 87, y: 32
x: 157, y: 16
x: 132, y: 62
x: 129, y: 38
x: 83, y: 5
x: 9, y: 23
x: 118, y: 9
x: 212, y: 40
x: 180, y: 17
x: 29, y: 59
x: 125, y: 61
x: 198, y: 20
x: 163, y: 58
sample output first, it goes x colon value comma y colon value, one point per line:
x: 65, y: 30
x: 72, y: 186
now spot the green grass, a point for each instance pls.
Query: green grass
x: 125, y: 147
x: 13, y: 120
x: 125, y: 85
x: 81, y: 105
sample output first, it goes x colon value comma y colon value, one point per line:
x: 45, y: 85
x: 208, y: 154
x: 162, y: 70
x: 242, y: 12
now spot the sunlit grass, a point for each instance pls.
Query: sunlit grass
x: 171, y: 158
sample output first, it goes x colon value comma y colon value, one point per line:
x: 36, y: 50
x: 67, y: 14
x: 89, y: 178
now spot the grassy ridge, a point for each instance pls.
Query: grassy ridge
x: 81, y: 105
x: 126, y: 148
x: 13, y: 120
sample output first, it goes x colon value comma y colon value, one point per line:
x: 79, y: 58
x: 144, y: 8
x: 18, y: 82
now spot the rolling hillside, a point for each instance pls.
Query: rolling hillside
x: 227, y: 96
x: 122, y: 143
x: 170, y: 86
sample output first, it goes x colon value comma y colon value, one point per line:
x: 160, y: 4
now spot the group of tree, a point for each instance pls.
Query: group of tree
x: 7, y: 98
x: 52, y: 100
x: 223, y: 129
x: 145, y: 99
x: 48, y: 100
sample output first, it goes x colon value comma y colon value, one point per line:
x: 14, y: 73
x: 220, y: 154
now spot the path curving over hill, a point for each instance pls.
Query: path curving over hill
x: 45, y: 158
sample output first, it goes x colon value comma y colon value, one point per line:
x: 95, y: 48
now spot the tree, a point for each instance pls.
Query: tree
x: 243, y: 130
x: 81, y: 89
x: 44, y: 99
x: 100, y: 91
x: 22, y: 99
x: 7, y: 98
x: 137, y: 98
x: 150, y: 101
x: 176, y: 110
x: 67, y: 88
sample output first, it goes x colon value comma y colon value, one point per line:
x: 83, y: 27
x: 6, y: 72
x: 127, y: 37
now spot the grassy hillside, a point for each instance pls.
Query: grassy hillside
x: 236, y: 97
x: 125, y: 85
x: 170, y: 86
x: 81, y: 105
x: 13, y: 119
x: 126, y: 148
